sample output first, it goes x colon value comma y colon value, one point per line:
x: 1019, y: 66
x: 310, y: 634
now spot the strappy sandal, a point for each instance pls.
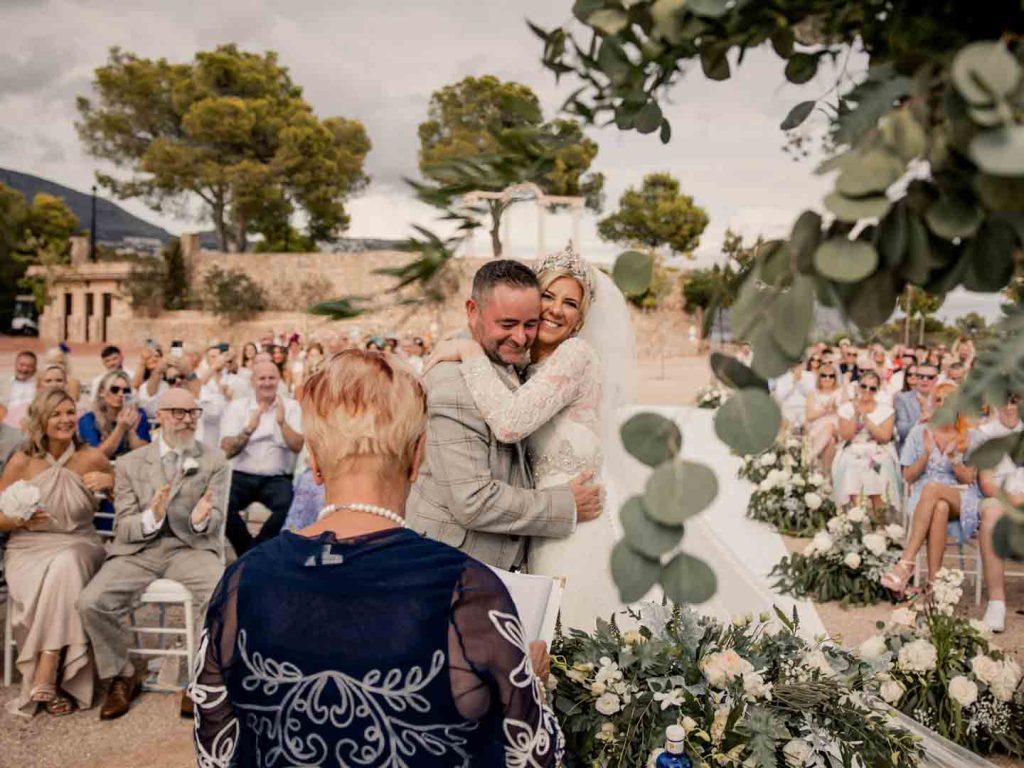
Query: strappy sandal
x: 897, y: 579
x: 43, y: 693
x: 60, y: 706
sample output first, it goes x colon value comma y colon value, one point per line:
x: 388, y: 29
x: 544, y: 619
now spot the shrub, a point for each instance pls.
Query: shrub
x: 232, y: 295
x: 145, y: 287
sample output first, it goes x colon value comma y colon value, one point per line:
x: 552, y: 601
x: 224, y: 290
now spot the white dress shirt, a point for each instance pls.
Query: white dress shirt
x: 149, y: 522
x: 21, y: 392
x: 1007, y: 474
x: 266, y: 453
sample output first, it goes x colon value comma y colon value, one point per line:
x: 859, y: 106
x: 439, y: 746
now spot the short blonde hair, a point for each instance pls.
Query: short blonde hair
x: 362, y: 411
x: 39, y: 413
x: 548, y: 276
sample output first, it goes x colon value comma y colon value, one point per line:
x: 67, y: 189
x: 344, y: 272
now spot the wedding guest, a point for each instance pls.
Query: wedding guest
x: 170, y: 500
x: 262, y: 435
x: 867, y: 464
x: 249, y: 354
x: 114, y: 425
x: 51, y: 556
x: 913, y: 407
x: 921, y: 353
x: 822, y: 419
x: 790, y: 391
x: 22, y: 388
x: 148, y: 380
x: 956, y: 373
x: 943, y: 489
x: 963, y: 349
x: 51, y: 377
x: 355, y: 596
x: 848, y: 364
x: 113, y: 360
x: 814, y: 364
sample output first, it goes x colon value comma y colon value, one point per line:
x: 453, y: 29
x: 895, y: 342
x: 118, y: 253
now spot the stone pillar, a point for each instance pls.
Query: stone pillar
x: 79, y: 250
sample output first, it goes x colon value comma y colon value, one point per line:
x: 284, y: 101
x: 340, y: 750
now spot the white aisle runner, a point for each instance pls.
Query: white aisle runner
x: 742, y: 552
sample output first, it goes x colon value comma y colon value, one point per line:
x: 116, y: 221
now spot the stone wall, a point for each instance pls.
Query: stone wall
x: 663, y: 331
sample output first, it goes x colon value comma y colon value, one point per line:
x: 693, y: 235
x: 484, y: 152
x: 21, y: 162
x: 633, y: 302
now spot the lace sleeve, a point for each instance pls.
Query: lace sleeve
x: 216, y: 723
x: 514, y: 415
x: 491, y: 670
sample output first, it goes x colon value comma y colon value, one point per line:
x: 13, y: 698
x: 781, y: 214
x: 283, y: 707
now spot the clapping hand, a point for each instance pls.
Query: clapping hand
x: 202, y: 510
x: 159, y: 503
x: 279, y: 411
x: 98, y: 482
x: 128, y: 418
x: 540, y: 659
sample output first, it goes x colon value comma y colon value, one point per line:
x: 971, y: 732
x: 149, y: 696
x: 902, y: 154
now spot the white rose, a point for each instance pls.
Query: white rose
x: 797, y: 752
x: 633, y: 637
x: 872, y: 648
x: 903, y: 617
x: 798, y: 481
x: 875, y: 543
x: 835, y: 524
x: 785, y: 475
x: 766, y: 485
x: 817, y: 660
x: 852, y: 561
x: 817, y: 478
x: 598, y: 688
x: 985, y: 668
x: 918, y: 656
x: 1006, y: 682
x: 963, y: 691
x: 720, y: 668
x: 813, y: 501
x: 607, y: 704
x: 890, y: 691
x: 895, y: 532
x: 20, y: 500
x: 767, y: 459
x: 856, y: 515
x: 822, y: 542
x: 981, y: 628
x: 755, y: 687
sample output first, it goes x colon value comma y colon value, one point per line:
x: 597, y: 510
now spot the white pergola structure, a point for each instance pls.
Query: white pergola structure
x: 518, y: 193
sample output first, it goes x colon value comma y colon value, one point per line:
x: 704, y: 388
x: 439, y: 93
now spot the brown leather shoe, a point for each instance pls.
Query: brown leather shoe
x: 187, y: 707
x: 122, y: 692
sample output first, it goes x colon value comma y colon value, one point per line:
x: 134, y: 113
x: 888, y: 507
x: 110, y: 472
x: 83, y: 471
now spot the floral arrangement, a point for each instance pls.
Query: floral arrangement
x: 784, y: 455
x: 711, y: 396
x: 20, y: 500
x: 796, y: 502
x: 943, y: 671
x: 845, y: 562
x: 750, y: 693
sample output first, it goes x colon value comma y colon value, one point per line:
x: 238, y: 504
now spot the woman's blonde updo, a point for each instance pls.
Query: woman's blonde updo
x: 363, y: 411
x: 39, y: 413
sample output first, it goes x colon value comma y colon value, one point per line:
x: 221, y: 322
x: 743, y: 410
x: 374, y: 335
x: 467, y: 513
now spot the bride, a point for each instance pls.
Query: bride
x: 560, y: 411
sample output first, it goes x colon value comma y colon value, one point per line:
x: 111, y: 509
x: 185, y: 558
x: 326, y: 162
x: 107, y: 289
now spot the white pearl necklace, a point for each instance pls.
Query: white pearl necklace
x: 372, y: 509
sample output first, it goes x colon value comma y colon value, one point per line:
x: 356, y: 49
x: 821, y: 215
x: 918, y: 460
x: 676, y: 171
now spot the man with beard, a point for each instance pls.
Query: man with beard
x: 169, y: 499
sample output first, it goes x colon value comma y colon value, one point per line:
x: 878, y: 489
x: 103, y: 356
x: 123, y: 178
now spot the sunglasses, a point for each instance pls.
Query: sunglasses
x: 868, y: 388
x: 926, y: 376
x: 827, y: 376
x: 181, y: 413
x: 116, y: 390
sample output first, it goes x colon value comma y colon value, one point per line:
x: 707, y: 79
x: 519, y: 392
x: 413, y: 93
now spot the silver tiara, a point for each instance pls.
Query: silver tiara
x: 570, y: 261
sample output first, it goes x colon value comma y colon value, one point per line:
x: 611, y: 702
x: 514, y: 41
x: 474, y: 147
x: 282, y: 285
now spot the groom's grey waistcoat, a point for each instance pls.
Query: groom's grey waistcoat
x: 475, y: 493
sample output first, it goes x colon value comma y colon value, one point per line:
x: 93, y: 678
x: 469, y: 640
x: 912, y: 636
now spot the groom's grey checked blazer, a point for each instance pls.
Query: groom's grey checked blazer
x: 475, y: 493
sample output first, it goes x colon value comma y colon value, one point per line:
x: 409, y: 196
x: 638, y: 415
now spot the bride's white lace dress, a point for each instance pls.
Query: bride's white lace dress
x: 558, y: 412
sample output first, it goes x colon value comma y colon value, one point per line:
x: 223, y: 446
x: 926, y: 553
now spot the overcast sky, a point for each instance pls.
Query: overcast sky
x: 378, y: 61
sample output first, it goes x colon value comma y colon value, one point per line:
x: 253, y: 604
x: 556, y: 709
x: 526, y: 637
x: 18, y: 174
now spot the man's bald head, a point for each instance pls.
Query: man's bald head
x: 265, y: 378
x: 176, y: 397
x: 178, y: 416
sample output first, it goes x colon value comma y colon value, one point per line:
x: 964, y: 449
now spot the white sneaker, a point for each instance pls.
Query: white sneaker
x: 995, y: 615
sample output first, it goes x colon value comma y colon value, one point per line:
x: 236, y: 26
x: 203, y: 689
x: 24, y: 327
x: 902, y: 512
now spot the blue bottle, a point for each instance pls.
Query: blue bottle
x: 673, y: 756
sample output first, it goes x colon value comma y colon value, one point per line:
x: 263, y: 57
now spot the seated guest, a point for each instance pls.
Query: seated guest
x: 52, y: 555
x: 790, y: 391
x: 262, y: 435
x: 112, y: 360
x: 52, y: 376
x: 1005, y: 479
x: 822, y: 420
x: 170, y: 500
x: 912, y: 407
x: 943, y: 488
x: 148, y: 380
x: 114, y: 425
x: 867, y: 464
x: 357, y: 597
x: 306, y: 503
x: 22, y: 386
x: 58, y: 356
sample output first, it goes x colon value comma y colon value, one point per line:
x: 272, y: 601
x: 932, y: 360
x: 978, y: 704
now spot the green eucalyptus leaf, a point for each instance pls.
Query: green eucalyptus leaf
x: 665, y: 134
x: 792, y: 315
x: 797, y: 115
x: 1000, y: 193
x: 584, y: 9
x: 608, y: 21
x: 891, y: 237
x: 612, y: 60
x: 909, y: 138
x: 845, y: 261
x: 801, y: 67
x: 991, y: 452
x: 714, y: 61
x: 782, y: 42
x: 650, y: 118
x: 854, y: 209
x: 665, y: 15
x: 874, y: 172
x: 990, y: 257
x: 1008, y: 538
x: 633, y: 573
x: 678, y: 490
x: 735, y: 374
x: 775, y: 263
x: 710, y: 9
x: 872, y: 301
x: 985, y: 71
x: 986, y: 117
x: 651, y: 438
x: 643, y: 534
x: 749, y: 421
x: 917, y: 264
x: 687, y: 579
x: 633, y: 272
x: 952, y: 218
x: 804, y: 239
x: 770, y: 359
x: 1000, y: 151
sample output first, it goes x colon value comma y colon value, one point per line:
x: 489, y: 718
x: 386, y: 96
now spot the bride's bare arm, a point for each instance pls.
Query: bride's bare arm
x: 514, y: 415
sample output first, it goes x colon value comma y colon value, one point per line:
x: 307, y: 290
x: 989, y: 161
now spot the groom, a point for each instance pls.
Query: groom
x: 475, y: 493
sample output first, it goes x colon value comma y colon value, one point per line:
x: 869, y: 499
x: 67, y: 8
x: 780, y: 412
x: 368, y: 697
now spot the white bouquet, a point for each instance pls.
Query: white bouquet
x: 711, y: 396
x: 20, y: 501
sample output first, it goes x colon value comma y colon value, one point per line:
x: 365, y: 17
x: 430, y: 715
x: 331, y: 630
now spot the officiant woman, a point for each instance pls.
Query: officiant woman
x: 354, y: 639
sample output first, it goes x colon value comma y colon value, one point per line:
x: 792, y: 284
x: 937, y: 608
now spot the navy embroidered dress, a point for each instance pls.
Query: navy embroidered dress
x: 382, y: 650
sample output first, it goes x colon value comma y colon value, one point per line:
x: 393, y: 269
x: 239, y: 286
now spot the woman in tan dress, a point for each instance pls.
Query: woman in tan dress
x: 52, y: 556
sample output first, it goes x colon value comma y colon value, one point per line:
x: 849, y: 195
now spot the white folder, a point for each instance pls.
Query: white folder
x: 537, y: 600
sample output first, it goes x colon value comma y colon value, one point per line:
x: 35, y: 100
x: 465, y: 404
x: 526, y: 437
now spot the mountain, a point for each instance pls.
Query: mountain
x: 113, y: 223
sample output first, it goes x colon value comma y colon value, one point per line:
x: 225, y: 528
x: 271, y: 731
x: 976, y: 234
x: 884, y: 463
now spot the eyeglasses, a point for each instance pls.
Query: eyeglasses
x: 181, y: 413
x: 116, y: 390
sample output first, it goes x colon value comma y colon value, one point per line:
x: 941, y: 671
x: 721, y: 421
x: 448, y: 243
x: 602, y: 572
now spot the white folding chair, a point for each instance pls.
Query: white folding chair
x: 8, y: 640
x: 165, y: 592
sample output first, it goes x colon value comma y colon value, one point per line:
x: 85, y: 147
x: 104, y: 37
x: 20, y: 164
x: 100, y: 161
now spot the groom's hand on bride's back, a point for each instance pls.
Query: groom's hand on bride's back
x: 589, y: 497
